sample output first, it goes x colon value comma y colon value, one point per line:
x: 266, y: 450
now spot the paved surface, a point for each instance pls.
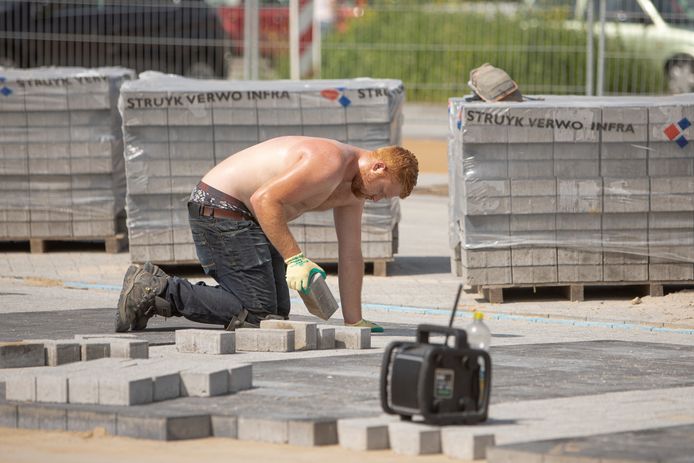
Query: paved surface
x: 594, y: 379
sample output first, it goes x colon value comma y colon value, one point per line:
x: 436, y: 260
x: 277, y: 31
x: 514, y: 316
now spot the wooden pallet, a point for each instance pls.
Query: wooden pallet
x: 112, y: 244
x: 576, y: 291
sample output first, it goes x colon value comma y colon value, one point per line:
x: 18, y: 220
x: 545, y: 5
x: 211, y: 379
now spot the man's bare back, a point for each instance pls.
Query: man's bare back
x: 243, y: 174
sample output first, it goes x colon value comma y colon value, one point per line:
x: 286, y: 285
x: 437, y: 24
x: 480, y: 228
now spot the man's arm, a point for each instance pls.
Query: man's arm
x: 350, y: 260
x: 284, y: 196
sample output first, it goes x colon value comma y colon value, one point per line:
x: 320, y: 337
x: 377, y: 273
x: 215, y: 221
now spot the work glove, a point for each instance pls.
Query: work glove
x: 367, y: 324
x: 300, y: 270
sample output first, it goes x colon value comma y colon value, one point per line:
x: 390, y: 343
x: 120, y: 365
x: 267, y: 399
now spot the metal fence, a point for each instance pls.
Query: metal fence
x: 640, y: 47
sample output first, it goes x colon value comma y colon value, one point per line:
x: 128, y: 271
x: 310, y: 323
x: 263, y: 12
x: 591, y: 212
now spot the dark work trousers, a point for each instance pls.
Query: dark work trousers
x: 248, y: 268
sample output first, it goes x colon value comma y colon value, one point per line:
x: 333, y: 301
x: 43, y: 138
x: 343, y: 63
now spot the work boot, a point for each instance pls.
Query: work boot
x: 139, y: 297
x: 161, y: 305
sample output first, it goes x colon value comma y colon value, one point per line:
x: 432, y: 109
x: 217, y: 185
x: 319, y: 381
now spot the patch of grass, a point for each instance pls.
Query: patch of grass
x: 433, y: 48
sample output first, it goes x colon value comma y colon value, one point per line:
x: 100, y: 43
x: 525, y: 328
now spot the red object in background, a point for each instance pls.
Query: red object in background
x: 274, y: 25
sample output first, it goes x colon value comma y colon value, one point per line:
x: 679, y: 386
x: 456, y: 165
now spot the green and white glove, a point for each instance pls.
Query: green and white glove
x: 300, y: 270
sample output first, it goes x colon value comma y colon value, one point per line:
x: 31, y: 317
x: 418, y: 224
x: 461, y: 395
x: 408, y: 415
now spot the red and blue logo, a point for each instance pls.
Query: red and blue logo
x: 5, y: 90
x: 336, y: 94
x: 675, y: 132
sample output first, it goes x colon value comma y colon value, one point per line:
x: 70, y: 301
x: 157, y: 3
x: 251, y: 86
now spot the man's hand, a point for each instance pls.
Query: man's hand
x: 299, y: 272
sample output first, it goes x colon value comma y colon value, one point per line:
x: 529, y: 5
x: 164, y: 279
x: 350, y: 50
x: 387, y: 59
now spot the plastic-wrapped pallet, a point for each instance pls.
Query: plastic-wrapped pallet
x: 61, y: 153
x: 572, y: 190
x: 177, y: 129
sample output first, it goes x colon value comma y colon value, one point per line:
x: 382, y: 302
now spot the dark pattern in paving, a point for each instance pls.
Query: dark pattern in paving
x: 666, y: 445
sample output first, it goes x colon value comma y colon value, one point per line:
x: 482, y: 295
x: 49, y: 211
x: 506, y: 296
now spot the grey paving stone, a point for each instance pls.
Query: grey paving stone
x: 21, y: 354
x: 21, y: 387
x: 150, y: 426
x: 312, y: 432
x: 364, y: 433
x: 263, y: 429
x: 83, y: 389
x: 349, y: 337
x: 508, y: 455
x: 94, y: 349
x: 465, y: 443
x: 118, y: 388
x: 129, y: 349
x: 30, y: 416
x: 264, y: 340
x: 52, y: 387
x: 87, y: 420
x: 204, y: 381
x: 325, y: 337
x: 240, y: 377
x: 414, y: 438
x: 59, y: 352
x: 304, y: 332
x: 206, y: 341
x: 8, y: 415
x: 225, y: 426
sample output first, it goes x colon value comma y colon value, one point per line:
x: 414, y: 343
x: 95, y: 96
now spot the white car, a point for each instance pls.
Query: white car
x: 659, y: 30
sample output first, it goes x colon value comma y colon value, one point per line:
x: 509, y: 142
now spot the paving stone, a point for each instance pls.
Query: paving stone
x: 123, y: 389
x: 240, y: 377
x: 509, y: 455
x: 166, y: 379
x: 414, y: 438
x: 150, y: 426
x: 364, y: 433
x: 93, y: 349
x: 21, y: 387
x: 304, y: 332
x: 52, y: 387
x: 225, y: 426
x: 33, y: 416
x: 129, y: 349
x: 21, y: 354
x: 264, y: 340
x: 349, y: 337
x: 325, y: 337
x: 86, y: 420
x: 106, y: 335
x: 60, y: 352
x: 263, y: 430
x: 204, y: 381
x: 465, y: 443
x: 83, y: 389
x: 312, y: 432
x: 8, y: 415
x: 206, y: 341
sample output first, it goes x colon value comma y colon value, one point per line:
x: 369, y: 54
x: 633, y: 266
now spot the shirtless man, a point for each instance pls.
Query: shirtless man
x: 239, y: 216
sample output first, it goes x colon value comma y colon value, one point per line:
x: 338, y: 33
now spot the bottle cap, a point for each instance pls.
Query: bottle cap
x: 478, y: 315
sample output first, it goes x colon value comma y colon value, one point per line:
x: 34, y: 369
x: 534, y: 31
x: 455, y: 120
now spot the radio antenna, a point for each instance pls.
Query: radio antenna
x: 455, y: 307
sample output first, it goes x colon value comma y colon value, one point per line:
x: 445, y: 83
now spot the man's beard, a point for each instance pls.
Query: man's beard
x: 358, y: 186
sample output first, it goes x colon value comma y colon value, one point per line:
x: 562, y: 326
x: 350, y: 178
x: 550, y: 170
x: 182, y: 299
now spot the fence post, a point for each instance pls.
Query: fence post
x: 601, y: 50
x: 250, y: 40
x: 301, y: 27
x: 590, y: 20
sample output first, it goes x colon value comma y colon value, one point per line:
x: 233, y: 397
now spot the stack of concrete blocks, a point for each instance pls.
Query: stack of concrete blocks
x: 572, y: 190
x: 177, y: 129
x: 61, y: 153
x: 118, y: 381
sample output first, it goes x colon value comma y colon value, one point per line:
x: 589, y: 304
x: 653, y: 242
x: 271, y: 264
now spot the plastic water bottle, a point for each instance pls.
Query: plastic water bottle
x: 479, y: 337
x: 478, y: 334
